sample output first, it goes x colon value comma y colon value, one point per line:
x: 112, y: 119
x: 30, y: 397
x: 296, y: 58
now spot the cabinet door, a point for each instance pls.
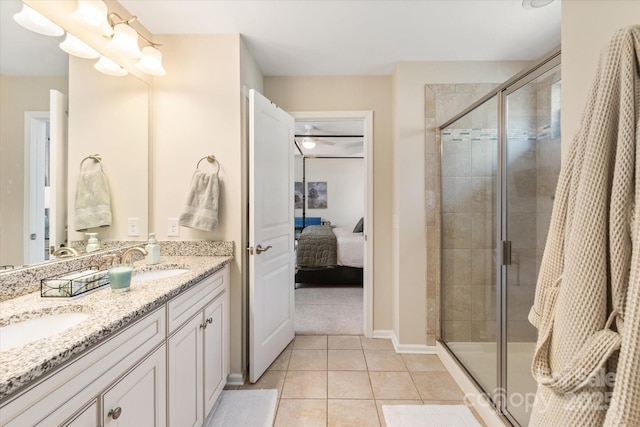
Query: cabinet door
x: 215, y: 351
x: 88, y: 417
x: 185, y: 374
x: 139, y: 398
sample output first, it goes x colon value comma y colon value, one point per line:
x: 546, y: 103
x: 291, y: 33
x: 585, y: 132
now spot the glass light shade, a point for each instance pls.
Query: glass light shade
x: 535, y: 4
x: 107, y: 66
x: 308, y: 143
x: 76, y: 47
x: 151, y: 62
x: 94, y: 14
x: 125, y: 40
x: 34, y: 21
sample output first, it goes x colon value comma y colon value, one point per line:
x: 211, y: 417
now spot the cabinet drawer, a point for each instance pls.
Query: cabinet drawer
x: 183, y: 307
x: 58, y: 396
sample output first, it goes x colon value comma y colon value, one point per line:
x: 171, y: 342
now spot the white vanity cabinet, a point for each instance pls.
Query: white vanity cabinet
x: 139, y: 398
x: 177, y: 354
x: 198, y: 350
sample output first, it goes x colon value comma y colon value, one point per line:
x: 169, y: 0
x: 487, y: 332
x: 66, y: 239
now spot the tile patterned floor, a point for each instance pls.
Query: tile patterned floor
x: 345, y: 380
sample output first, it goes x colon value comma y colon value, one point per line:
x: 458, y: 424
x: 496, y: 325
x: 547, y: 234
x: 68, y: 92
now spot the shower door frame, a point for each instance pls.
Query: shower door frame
x: 501, y: 92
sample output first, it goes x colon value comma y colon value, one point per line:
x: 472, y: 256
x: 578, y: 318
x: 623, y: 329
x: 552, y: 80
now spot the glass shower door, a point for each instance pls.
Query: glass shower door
x: 532, y: 166
x: 469, y: 187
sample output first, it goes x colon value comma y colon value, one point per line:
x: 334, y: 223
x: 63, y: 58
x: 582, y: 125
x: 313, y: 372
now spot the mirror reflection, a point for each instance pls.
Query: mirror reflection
x: 56, y: 110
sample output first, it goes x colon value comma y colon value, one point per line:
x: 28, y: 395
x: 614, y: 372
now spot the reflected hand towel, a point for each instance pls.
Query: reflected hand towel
x: 93, y: 201
x: 201, y: 207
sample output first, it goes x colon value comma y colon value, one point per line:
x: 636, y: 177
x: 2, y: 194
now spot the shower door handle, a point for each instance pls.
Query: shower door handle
x: 506, y: 252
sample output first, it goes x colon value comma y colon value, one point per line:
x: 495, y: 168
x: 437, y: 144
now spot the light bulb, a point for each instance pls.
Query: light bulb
x: 94, y: 14
x: 34, y: 21
x: 107, y: 66
x: 125, y: 40
x: 308, y: 143
x: 76, y: 47
x: 151, y: 62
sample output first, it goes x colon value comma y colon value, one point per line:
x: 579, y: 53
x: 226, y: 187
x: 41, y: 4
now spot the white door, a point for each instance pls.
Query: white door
x: 271, y: 263
x: 57, y: 169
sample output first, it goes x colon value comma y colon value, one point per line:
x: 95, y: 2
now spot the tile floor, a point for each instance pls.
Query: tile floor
x: 345, y: 380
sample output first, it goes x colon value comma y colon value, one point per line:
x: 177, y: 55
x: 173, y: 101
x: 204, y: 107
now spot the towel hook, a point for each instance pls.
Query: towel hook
x: 211, y: 159
x: 95, y: 157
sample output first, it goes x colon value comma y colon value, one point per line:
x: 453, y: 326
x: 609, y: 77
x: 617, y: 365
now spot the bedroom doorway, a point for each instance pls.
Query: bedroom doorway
x: 333, y: 186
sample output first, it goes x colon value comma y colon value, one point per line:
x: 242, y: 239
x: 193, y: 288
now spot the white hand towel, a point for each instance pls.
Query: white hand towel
x: 93, y: 201
x: 201, y: 207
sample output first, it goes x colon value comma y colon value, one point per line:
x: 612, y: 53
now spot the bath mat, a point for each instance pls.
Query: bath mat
x: 244, y: 408
x: 429, y: 416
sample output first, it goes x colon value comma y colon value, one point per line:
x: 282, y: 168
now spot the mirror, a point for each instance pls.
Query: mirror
x: 40, y: 154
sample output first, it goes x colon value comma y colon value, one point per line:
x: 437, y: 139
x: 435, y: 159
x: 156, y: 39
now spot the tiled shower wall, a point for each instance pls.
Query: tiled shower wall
x: 442, y: 101
x: 468, y: 227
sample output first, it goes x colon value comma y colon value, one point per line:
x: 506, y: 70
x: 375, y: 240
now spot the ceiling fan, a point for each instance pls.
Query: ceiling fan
x: 309, y: 141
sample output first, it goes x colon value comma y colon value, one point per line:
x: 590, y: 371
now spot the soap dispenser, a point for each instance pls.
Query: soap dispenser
x: 153, y: 250
x: 92, y: 243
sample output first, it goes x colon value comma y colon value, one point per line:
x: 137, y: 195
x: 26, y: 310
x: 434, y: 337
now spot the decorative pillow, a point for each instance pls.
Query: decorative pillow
x: 359, y: 228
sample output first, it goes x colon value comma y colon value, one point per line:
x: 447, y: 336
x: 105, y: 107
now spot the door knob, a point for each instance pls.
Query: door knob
x: 115, y: 413
x: 260, y: 249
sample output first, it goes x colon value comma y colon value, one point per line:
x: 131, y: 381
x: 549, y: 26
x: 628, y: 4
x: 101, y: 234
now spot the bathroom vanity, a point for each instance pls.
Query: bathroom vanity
x: 157, y: 355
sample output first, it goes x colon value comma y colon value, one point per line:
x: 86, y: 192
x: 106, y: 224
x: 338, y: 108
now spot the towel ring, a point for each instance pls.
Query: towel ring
x: 211, y: 159
x: 95, y: 157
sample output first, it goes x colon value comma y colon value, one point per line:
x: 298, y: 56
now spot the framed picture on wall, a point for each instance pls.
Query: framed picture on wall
x: 298, y: 193
x: 317, y: 195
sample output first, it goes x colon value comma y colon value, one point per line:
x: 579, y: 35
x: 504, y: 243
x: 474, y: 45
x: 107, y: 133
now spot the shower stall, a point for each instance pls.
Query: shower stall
x: 500, y: 161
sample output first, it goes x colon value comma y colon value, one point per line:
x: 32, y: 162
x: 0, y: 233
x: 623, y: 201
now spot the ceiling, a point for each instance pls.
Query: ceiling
x: 357, y: 37
x: 320, y: 132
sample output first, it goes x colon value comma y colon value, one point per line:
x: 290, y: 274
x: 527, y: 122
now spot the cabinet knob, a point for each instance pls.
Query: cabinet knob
x: 115, y: 413
x: 203, y: 325
x: 210, y: 320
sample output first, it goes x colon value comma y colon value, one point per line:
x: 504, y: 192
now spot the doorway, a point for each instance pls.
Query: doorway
x: 334, y: 188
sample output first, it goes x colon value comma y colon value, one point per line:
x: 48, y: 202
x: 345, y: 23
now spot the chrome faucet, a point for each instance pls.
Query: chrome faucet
x: 126, y: 256
x: 64, y: 252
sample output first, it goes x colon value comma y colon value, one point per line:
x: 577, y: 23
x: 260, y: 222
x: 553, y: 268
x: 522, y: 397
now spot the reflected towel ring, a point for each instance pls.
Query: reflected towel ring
x: 211, y: 159
x: 95, y: 157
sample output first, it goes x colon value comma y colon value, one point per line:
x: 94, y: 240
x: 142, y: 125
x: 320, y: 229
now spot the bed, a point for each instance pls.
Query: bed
x: 327, y: 255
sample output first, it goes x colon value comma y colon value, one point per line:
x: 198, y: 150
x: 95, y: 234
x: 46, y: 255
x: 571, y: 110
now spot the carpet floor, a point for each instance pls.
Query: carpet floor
x: 326, y: 310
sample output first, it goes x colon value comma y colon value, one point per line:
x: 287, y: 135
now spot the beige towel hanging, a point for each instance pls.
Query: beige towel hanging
x: 587, y: 305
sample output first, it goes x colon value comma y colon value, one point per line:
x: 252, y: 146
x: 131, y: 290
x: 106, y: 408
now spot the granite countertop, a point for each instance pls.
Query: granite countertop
x: 108, y: 312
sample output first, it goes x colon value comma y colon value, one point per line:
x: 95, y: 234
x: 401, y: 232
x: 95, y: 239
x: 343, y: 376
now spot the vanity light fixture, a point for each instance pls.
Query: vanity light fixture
x: 94, y: 14
x: 107, y: 66
x: 76, y: 47
x: 308, y: 143
x: 125, y: 40
x: 34, y: 21
x: 151, y: 61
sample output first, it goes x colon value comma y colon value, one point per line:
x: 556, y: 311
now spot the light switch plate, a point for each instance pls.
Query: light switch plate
x: 172, y: 227
x: 133, y: 227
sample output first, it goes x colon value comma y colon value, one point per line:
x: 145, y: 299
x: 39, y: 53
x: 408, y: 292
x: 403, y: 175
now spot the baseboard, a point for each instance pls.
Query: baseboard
x: 403, y: 348
x: 234, y: 379
x: 473, y: 396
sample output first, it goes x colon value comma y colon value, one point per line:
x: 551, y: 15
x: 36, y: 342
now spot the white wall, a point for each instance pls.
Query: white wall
x: 345, y: 189
x: 409, y: 243
x: 586, y: 27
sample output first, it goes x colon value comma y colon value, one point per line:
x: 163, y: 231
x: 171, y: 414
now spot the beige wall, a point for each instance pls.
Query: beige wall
x: 355, y: 93
x: 17, y: 95
x: 109, y: 116
x: 586, y: 28
x: 196, y: 112
x: 410, y: 225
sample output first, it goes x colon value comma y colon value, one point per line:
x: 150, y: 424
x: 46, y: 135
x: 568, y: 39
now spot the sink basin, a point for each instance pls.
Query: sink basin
x: 157, y: 274
x: 25, y: 332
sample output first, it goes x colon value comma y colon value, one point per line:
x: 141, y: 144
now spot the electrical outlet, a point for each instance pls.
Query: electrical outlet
x: 133, y: 227
x: 172, y: 227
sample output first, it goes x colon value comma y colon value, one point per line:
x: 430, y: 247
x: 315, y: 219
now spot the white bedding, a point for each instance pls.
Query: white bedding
x: 350, y: 247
